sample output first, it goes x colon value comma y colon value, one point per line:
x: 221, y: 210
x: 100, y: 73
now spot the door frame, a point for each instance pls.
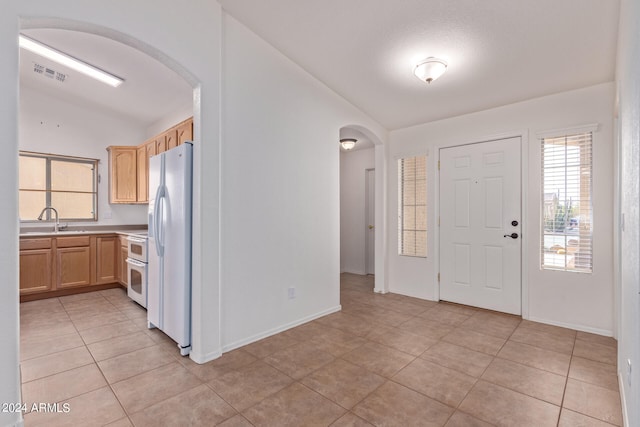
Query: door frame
x: 524, y: 192
x: 367, y: 212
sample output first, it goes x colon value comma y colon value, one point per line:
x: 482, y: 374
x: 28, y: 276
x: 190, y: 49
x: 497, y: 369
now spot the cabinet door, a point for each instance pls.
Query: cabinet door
x: 143, y: 174
x: 35, y: 271
x: 74, y: 267
x: 172, y: 139
x: 161, y: 144
x: 123, y: 174
x: 106, y: 259
x: 185, y: 132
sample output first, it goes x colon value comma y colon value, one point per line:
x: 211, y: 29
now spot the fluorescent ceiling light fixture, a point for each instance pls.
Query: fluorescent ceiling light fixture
x: 348, y: 143
x: 430, y: 69
x: 66, y: 60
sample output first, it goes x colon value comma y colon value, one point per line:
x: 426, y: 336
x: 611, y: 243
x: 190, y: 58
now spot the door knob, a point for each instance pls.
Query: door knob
x: 512, y: 235
x: 371, y: 227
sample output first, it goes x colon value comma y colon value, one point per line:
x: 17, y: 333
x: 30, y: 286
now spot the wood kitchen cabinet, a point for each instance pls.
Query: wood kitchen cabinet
x: 129, y: 166
x: 185, y: 131
x: 123, y: 254
x: 123, y: 174
x: 171, y: 138
x: 36, y: 266
x: 73, y: 261
x: 160, y: 143
x: 142, y: 172
x: 107, y: 253
x: 63, y: 265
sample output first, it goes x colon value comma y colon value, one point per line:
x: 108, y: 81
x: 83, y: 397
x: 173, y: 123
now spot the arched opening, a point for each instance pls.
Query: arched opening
x: 54, y: 129
x: 361, y: 208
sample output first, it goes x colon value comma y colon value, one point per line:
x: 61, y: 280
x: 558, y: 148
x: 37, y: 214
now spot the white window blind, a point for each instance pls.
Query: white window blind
x: 68, y: 184
x: 412, y: 206
x: 567, y: 214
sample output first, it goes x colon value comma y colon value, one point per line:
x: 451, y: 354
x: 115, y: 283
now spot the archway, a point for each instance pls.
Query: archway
x: 362, y: 214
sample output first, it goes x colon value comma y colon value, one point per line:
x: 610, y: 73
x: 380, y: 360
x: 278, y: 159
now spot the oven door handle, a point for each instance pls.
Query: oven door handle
x: 136, y: 239
x: 136, y: 263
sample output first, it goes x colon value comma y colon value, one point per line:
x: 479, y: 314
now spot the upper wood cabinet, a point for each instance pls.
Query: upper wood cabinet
x: 143, y: 174
x: 161, y: 143
x: 171, y: 137
x: 129, y: 166
x: 123, y: 179
x: 185, y: 131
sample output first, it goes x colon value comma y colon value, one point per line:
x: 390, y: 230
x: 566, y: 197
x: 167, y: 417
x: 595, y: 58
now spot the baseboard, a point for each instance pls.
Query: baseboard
x: 204, y: 358
x: 623, y: 400
x: 270, y: 332
x: 358, y: 272
x: 577, y: 327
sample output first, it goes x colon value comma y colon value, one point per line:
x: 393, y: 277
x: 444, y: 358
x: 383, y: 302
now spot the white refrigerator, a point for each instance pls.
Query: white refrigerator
x: 169, y: 270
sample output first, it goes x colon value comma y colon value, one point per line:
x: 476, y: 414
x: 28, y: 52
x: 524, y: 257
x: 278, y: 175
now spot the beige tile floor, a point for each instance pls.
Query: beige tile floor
x: 384, y: 360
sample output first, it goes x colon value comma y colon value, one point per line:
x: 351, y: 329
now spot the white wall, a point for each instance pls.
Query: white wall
x: 144, y: 25
x: 181, y: 113
x: 575, y: 300
x: 628, y: 77
x: 280, y: 189
x: 51, y: 125
x: 353, y: 233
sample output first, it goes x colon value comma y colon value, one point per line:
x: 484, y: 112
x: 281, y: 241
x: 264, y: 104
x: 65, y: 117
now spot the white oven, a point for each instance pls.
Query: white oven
x: 137, y: 269
x: 137, y: 247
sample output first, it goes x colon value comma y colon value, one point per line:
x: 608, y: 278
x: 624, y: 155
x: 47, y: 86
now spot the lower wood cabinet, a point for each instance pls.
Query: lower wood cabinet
x: 74, y: 267
x: 55, y: 265
x: 36, y: 271
x: 106, y: 259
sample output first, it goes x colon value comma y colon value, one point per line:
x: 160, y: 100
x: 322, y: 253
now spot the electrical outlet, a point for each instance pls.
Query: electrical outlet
x: 292, y: 293
x: 629, y: 372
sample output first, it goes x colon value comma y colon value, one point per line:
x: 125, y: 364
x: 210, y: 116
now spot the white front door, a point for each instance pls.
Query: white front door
x: 480, y: 223
x: 370, y: 219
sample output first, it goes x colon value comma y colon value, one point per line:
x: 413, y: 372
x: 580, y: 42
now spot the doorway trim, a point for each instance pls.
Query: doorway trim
x: 368, y: 213
x: 524, y: 192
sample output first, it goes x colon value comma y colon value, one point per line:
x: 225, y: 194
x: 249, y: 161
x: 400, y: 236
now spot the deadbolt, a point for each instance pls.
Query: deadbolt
x: 514, y: 223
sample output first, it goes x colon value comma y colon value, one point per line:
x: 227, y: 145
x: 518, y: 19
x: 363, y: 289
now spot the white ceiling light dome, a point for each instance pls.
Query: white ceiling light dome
x: 348, y: 143
x: 430, y: 69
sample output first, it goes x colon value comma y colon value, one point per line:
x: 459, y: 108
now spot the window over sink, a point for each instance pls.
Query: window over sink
x: 68, y: 184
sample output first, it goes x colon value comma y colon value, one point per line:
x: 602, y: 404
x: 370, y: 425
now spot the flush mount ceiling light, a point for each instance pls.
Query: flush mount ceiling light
x: 348, y: 143
x: 430, y: 69
x: 64, y: 59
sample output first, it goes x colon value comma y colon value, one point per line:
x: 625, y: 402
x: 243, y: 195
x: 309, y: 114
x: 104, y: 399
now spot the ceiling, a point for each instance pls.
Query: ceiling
x: 150, y: 92
x: 499, y: 52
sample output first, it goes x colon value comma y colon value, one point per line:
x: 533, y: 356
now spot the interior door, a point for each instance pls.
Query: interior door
x: 480, y: 225
x: 370, y: 214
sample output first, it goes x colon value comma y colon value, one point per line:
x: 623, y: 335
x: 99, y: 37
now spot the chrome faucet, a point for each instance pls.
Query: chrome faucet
x: 56, y: 226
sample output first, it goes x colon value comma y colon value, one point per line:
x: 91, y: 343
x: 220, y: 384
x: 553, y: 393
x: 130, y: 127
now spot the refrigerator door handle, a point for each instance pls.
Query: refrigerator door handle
x: 157, y: 219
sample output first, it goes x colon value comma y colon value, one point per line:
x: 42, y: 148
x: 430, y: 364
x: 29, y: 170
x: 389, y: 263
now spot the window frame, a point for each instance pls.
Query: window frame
x: 48, y: 191
x: 401, y: 208
x: 585, y: 137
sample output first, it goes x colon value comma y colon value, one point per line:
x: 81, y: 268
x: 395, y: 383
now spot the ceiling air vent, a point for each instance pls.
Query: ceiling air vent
x: 46, y: 71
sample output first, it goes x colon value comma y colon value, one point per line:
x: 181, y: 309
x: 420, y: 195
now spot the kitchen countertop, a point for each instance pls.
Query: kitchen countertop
x: 76, y: 231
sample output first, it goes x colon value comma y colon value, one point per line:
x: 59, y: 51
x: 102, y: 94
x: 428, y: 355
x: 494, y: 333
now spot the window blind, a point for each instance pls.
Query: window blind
x: 68, y: 184
x: 412, y: 206
x: 567, y: 212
